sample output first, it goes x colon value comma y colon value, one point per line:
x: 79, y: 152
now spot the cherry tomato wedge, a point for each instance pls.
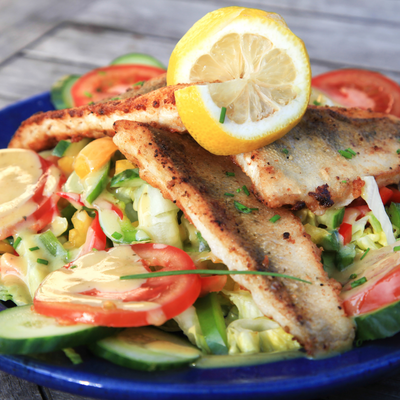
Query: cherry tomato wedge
x: 386, y: 194
x: 96, y: 295
x: 95, y: 238
x: 212, y: 284
x: 360, y: 88
x: 345, y: 230
x: 110, y: 81
x: 395, y: 195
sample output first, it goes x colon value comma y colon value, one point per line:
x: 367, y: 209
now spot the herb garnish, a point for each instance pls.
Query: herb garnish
x: 222, y: 115
x: 275, y: 218
x: 358, y: 282
x: 242, y: 208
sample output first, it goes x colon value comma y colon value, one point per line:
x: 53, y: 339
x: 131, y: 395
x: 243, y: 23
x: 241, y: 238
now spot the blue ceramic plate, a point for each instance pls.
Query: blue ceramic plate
x: 95, y: 377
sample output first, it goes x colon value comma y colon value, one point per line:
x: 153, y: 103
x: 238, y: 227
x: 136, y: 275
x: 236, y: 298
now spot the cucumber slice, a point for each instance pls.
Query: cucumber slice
x: 146, y: 349
x: 378, y: 324
x: 332, y: 218
x: 95, y: 183
x: 138, y: 58
x: 127, y: 178
x: 61, y: 148
x: 61, y: 92
x: 23, y: 331
x: 212, y: 323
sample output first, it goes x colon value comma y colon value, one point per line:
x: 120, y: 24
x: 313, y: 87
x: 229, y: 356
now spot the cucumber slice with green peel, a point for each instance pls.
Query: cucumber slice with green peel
x: 212, y: 323
x: 146, y: 349
x: 127, y: 178
x: 22, y: 331
x: 61, y: 148
x: 95, y: 183
x: 378, y: 324
x: 332, y: 219
x: 138, y: 58
x: 61, y: 92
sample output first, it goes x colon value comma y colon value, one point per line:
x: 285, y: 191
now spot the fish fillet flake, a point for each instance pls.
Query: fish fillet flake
x: 197, y: 181
x: 305, y: 167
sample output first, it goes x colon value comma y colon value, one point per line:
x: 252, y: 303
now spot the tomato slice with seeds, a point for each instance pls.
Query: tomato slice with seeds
x: 92, y: 292
x: 360, y: 88
x: 110, y: 81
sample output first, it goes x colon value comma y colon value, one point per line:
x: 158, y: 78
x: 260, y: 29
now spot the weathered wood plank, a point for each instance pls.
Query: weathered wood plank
x: 362, y: 43
x: 25, y: 77
x: 98, y: 46
x: 12, y: 388
x: 23, y: 21
x: 57, y: 395
x: 383, y: 11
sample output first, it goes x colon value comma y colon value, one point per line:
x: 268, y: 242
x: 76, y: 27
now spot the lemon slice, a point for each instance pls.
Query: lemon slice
x: 253, y: 66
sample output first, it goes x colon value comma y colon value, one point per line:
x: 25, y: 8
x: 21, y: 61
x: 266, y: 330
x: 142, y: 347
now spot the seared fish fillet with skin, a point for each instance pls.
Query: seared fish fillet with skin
x: 196, y: 181
x: 43, y: 131
x: 313, y: 173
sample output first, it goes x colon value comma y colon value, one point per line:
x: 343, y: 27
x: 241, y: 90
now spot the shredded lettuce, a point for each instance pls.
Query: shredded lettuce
x: 370, y: 194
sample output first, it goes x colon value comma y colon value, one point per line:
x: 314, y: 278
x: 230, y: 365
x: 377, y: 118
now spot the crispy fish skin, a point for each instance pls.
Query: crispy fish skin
x: 43, y: 131
x: 197, y: 181
x: 313, y: 173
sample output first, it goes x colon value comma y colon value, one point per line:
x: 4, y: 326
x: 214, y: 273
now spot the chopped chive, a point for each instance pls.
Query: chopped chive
x: 102, y: 73
x: 238, y: 190
x: 17, y: 242
x: 366, y: 252
x: 115, y: 98
x: 344, y: 181
x: 34, y: 248
x: 222, y: 115
x: 42, y: 261
x: 229, y: 194
x: 229, y: 173
x: 275, y: 218
x: 140, y: 83
x: 242, y: 208
x: 353, y: 276
x: 208, y: 272
x: 396, y: 248
x: 358, y: 282
x: 345, y: 154
x: 316, y: 103
x: 351, y: 151
x: 91, y: 103
x: 72, y: 266
x: 398, y: 151
x: 88, y: 94
x: 245, y: 190
x: 116, y: 235
x: 94, y: 249
x: 285, y: 151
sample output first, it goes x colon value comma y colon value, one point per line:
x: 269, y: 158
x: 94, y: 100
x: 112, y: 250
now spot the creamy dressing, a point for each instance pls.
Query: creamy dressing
x: 100, y: 270
x: 20, y: 171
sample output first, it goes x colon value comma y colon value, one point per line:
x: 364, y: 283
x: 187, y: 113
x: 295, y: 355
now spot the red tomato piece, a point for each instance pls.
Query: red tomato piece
x: 395, y: 195
x: 360, y: 88
x: 95, y: 238
x: 171, y: 294
x: 212, y: 284
x: 386, y: 194
x: 118, y: 211
x: 345, y: 230
x: 110, y: 81
x: 384, y: 292
x: 74, y: 198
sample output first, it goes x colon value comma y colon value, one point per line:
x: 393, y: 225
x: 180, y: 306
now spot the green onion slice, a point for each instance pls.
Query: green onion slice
x: 242, y: 208
x: 365, y: 253
x: 159, y: 274
x: 345, y: 154
x: 17, y: 242
x: 229, y: 194
x: 245, y: 190
x: 222, y: 115
x: 358, y: 282
x: 42, y: 261
x: 275, y: 218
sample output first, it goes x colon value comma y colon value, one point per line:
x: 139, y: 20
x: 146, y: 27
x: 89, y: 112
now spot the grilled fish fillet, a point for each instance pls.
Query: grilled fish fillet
x: 44, y: 130
x: 197, y: 181
x: 313, y: 173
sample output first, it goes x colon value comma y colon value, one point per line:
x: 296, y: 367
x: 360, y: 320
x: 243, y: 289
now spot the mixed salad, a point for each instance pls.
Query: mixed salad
x: 81, y: 233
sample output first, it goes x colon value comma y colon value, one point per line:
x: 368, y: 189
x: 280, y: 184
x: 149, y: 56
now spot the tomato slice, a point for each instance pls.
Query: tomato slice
x: 42, y: 203
x: 95, y: 237
x: 93, y: 293
x: 395, y: 195
x: 360, y: 88
x: 110, y: 81
x: 384, y: 292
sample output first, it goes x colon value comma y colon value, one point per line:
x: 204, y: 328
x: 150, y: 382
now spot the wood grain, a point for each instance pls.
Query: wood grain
x: 14, y: 388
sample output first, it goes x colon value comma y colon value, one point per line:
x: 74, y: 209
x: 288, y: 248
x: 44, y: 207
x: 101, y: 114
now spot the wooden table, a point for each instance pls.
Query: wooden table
x: 41, y: 40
